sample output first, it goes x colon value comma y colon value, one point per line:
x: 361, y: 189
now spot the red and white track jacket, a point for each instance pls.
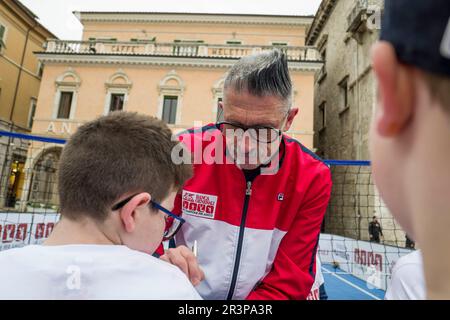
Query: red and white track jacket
x: 256, y: 239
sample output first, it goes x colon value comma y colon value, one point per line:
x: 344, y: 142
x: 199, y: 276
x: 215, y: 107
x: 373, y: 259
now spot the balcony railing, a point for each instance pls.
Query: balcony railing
x: 359, y: 14
x: 174, y: 49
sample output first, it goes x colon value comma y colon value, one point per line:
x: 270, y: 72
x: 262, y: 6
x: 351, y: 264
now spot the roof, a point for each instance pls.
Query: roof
x: 25, y: 9
x: 320, y: 19
x: 33, y: 17
x: 191, y: 17
x: 196, y: 13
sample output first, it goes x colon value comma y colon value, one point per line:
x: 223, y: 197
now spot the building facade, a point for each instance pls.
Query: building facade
x: 345, y: 89
x: 169, y: 65
x: 20, y: 76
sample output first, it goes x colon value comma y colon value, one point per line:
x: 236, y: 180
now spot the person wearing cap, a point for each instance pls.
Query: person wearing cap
x: 410, y: 131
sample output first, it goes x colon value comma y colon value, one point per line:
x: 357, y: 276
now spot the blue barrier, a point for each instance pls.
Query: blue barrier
x: 62, y: 141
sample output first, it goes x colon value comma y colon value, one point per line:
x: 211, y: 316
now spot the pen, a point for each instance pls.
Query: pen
x: 195, y: 248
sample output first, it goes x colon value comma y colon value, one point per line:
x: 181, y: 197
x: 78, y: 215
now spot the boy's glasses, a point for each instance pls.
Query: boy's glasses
x: 173, y: 222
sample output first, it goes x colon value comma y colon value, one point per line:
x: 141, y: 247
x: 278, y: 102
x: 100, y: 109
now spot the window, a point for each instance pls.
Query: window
x: 170, y: 109
x: 217, y: 97
x: 323, y: 54
x: 322, y: 116
x: 322, y: 47
x: 343, y: 86
x: 323, y: 71
x: 103, y: 39
x: 234, y: 42
x: 116, y: 103
x: 31, y: 112
x: 40, y: 69
x: 219, y: 111
x: 282, y: 46
x: 188, y: 41
x: 2, y: 31
x: 118, y: 88
x: 65, y: 104
x: 170, y: 101
x: 143, y: 40
x: 2, y: 36
x: 279, y: 44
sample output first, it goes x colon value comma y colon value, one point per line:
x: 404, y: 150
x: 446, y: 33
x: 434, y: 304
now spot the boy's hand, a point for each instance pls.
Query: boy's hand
x: 184, y: 259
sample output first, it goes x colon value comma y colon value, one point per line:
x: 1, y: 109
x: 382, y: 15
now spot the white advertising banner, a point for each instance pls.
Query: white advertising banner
x: 371, y: 262
x: 20, y: 229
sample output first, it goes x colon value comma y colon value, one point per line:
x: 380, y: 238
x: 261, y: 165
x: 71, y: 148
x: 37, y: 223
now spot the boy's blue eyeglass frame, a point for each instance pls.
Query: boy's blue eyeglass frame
x: 168, y: 233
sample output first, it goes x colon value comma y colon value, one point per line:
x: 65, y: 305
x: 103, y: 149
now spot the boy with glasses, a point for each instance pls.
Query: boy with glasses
x: 115, y: 180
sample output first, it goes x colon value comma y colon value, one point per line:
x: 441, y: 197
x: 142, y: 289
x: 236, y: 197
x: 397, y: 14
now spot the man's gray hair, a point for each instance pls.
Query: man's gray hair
x: 263, y: 74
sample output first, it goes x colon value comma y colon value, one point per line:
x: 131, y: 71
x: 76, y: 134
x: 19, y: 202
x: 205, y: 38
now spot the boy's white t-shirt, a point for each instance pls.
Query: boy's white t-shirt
x: 407, y: 279
x: 89, y: 272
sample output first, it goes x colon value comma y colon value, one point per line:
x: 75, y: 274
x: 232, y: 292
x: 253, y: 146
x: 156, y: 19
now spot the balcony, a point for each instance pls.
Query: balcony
x: 116, y: 48
x: 358, y: 16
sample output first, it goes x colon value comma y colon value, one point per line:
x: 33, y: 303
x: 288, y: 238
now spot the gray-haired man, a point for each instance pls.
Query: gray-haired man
x: 256, y: 215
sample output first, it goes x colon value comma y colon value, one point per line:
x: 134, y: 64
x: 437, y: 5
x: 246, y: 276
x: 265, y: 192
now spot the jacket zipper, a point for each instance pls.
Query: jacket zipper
x: 248, y: 193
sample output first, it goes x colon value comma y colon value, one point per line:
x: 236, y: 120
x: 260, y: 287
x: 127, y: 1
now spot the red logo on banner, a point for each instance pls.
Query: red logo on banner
x: 21, y: 233
x: 8, y: 233
x: 49, y: 229
x: 40, y: 228
x: 365, y: 258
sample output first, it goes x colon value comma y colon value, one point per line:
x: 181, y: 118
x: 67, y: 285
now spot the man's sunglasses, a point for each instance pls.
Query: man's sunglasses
x: 259, y: 133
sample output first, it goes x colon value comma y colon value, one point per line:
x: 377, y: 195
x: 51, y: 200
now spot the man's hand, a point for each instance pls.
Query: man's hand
x: 184, y: 259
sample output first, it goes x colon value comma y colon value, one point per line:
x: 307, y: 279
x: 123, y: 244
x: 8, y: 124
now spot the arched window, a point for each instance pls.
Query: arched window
x: 65, y: 102
x: 44, y: 188
x: 118, y: 88
x: 171, y: 89
x: 217, y: 91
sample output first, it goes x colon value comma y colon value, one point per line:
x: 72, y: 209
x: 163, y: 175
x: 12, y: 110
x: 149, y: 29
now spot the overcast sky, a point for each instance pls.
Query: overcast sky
x: 57, y: 15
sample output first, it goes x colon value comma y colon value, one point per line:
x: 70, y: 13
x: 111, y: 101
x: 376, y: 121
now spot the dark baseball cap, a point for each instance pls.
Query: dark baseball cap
x: 419, y: 30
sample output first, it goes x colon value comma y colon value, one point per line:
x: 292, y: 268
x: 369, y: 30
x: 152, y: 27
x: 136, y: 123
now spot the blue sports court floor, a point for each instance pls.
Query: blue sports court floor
x: 343, y: 286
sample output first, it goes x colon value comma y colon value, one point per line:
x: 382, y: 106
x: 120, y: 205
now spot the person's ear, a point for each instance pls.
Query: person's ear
x: 395, y: 89
x: 130, y: 210
x: 290, y: 118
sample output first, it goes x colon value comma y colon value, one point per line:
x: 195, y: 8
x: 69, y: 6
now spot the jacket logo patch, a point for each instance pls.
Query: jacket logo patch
x: 280, y: 196
x: 198, y: 204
